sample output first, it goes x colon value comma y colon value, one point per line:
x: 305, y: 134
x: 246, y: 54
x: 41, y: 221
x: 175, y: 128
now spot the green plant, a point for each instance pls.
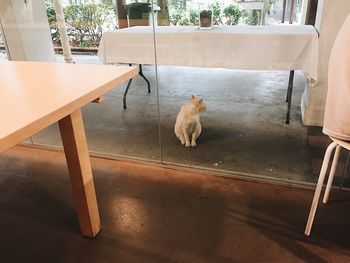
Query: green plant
x: 232, y: 14
x: 175, y: 18
x: 181, y: 17
x: 176, y: 13
x: 222, y: 15
x: 268, y: 6
x: 51, y: 15
x: 84, y: 22
x: 193, y: 17
x: 251, y: 17
x: 217, y: 13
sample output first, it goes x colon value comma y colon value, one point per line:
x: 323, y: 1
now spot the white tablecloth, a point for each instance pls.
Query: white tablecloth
x: 278, y: 47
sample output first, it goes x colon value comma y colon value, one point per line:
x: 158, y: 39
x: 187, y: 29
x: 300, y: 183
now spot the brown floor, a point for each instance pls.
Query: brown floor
x: 154, y: 214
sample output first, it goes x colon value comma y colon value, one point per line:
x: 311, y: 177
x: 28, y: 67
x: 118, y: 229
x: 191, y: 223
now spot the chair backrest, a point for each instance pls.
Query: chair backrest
x: 337, y: 111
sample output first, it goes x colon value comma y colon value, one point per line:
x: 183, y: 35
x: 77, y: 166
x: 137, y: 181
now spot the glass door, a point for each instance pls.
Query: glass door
x: 243, y: 130
x: 124, y: 123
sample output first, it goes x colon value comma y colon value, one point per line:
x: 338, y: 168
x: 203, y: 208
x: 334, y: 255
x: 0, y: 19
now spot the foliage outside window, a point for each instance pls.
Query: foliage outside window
x: 252, y: 17
x: 85, y: 23
x: 222, y: 14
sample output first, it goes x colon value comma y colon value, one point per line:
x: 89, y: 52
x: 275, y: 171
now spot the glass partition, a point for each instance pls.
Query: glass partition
x: 185, y: 49
x: 243, y: 128
x: 5, y: 56
x: 111, y: 129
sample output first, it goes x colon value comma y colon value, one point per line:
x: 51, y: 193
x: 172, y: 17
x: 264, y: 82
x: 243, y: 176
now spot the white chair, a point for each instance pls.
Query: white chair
x: 336, y: 144
x: 337, y: 111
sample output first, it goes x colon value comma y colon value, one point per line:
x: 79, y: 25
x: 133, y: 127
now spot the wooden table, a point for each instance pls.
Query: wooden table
x: 36, y: 94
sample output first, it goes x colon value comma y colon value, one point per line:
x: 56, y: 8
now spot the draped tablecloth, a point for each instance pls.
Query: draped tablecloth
x: 337, y: 112
x: 275, y: 47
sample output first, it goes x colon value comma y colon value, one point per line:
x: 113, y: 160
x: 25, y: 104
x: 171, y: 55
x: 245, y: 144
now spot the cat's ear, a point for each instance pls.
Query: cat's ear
x: 193, y: 97
x: 201, y: 101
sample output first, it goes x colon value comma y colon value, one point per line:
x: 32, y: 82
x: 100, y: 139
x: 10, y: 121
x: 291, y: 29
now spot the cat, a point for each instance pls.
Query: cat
x: 187, y: 126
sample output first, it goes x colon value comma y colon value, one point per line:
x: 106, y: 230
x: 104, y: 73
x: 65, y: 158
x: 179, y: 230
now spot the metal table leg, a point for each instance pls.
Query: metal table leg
x: 143, y: 76
x: 289, y: 94
x: 125, y: 93
x: 129, y: 83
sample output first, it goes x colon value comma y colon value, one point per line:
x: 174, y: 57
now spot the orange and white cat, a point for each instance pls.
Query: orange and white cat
x: 187, y: 126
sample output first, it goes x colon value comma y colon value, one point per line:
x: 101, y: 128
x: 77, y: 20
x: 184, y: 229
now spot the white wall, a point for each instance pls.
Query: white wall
x: 330, y: 16
x: 26, y: 30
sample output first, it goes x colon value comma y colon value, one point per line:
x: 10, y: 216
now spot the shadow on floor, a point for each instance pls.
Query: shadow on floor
x: 155, y: 214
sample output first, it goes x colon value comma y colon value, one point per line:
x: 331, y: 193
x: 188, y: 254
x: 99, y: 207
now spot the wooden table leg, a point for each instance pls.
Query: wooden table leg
x: 79, y: 167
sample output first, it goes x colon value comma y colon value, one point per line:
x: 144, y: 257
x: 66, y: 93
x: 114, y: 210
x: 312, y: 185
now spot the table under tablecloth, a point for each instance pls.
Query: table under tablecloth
x: 275, y: 47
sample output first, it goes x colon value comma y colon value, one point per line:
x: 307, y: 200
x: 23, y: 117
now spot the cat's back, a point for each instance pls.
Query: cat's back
x: 180, y: 116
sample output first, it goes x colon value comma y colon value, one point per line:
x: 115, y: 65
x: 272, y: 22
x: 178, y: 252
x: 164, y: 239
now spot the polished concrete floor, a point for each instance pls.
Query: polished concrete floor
x: 153, y: 213
x: 243, y: 130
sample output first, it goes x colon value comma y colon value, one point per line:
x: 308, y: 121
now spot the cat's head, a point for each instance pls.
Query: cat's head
x: 199, y: 104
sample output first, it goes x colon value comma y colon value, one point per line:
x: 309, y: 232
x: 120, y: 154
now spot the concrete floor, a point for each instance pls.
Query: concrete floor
x: 153, y: 213
x: 243, y: 129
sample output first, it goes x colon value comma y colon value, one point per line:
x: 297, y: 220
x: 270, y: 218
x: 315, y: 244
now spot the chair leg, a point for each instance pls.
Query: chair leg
x: 144, y: 77
x: 331, y: 174
x: 319, y: 187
